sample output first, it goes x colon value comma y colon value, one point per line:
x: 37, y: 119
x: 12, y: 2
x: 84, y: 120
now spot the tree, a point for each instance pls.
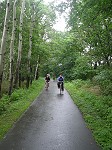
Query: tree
x: 11, y: 73
x: 30, y: 44
x: 18, y: 65
x: 3, y: 42
x: 91, y: 20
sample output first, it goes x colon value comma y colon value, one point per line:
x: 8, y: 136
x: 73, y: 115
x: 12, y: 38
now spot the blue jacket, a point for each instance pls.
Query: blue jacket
x: 60, y: 78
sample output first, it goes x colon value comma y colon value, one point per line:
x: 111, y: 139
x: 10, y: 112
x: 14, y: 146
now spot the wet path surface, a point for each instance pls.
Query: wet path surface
x: 52, y: 122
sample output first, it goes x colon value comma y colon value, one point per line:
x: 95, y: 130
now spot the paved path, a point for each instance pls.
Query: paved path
x: 52, y: 122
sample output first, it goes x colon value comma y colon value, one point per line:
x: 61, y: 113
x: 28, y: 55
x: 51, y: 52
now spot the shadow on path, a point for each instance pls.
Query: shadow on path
x: 52, y: 122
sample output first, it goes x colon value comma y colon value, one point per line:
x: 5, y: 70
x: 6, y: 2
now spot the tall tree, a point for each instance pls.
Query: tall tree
x: 11, y: 73
x: 30, y: 43
x: 18, y: 65
x: 3, y: 42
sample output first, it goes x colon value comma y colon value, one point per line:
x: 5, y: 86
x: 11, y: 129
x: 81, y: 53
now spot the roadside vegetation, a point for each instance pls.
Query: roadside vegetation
x: 12, y: 107
x: 96, y: 109
x: 31, y: 48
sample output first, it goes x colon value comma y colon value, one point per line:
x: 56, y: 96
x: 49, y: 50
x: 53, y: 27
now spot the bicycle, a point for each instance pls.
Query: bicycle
x: 61, y: 87
x: 47, y: 85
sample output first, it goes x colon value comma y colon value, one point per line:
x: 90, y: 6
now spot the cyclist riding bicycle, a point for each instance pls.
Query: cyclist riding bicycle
x: 60, y: 79
x: 47, y: 80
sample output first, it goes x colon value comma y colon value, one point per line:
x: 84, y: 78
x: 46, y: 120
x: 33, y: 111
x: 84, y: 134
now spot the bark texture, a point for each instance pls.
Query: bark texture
x: 18, y: 65
x: 11, y: 73
x: 3, y: 42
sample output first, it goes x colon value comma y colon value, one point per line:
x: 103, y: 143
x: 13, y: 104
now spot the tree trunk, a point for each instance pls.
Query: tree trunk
x: 11, y: 73
x: 19, y: 47
x: 30, y: 46
x: 36, y: 70
x: 31, y: 70
x: 3, y: 42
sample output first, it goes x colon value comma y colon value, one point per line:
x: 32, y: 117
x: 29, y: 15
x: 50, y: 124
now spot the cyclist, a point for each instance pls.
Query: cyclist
x: 59, y: 80
x: 47, y: 80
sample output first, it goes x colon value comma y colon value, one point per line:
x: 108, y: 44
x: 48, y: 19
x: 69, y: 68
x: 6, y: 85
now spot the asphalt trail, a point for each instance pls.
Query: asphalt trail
x: 52, y: 122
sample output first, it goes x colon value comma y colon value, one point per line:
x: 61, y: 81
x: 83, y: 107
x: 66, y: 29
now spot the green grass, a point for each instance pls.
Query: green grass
x: 17, y: 104
x: 96, y: 110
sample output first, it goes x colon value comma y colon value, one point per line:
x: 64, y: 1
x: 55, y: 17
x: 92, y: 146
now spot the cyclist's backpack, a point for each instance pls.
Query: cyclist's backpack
x: 60, y: 78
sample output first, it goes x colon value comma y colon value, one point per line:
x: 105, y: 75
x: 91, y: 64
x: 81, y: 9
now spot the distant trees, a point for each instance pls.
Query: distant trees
x: 85, y: 50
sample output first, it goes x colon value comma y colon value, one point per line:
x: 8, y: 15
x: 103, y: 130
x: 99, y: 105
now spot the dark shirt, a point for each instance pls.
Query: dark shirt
x: 47, y: 79
x: 60, y: 78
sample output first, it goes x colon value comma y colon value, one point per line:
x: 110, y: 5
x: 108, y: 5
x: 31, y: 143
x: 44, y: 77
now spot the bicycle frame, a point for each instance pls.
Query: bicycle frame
x: 60, y: 87
x: 47, y: 85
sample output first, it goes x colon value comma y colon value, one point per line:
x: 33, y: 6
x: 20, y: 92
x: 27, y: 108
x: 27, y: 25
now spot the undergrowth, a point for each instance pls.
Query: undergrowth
x: 96, y: 110
x: 11, y: 108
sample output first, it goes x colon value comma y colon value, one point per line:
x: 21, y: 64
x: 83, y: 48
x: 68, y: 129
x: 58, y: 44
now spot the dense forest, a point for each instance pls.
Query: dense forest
x: 30, y: 46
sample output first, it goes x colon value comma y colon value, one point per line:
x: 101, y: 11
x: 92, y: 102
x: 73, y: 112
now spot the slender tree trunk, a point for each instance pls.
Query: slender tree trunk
x: 36, y: 70
x: 19, y: 78
x: 17, y: 74
x: 3, y: 42
x: 31, y: 70
x: 30, y: 46
x: 11, y: 73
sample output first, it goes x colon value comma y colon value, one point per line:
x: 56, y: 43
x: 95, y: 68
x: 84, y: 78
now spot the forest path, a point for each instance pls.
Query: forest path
x: 52, y: 122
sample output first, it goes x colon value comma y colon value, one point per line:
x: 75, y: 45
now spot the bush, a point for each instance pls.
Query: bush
x: 17, y: 95
x: 2, y: 108
x: 83, y: 69
x: 3, y: 103
x: 11, y: 108
x: 104, y: 80
x: 97, y: 111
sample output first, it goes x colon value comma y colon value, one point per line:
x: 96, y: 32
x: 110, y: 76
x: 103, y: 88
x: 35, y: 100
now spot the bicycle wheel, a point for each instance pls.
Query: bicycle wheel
x: 47, y: 85
x: 60, y: 88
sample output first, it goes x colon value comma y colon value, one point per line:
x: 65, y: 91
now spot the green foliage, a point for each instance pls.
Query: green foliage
x: 18, y: 94
x: 83, y: 69
x: 11, y: 108
x: 96, y: 110
x: 5, y: 86
x: 79, y: 83
x: 91, y: 25
x: 4, y: 102
x: 104, y: 79
x: 2, y: 15
x: 2, y: 108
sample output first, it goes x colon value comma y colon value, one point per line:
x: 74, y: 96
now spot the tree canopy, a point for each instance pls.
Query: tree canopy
x: 84, y: 49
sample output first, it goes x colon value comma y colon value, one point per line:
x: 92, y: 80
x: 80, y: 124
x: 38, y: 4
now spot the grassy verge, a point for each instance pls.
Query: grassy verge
x: 11, y: 108
x: 96, y: 110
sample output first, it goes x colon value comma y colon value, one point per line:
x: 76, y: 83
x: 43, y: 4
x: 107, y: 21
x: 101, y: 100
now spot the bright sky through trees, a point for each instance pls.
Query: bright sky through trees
x: 60, y: 22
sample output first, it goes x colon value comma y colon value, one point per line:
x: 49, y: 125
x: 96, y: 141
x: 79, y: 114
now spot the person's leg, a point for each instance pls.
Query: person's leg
x: 58, y: 85
x: 62, y: 86
x: 48, y: 84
